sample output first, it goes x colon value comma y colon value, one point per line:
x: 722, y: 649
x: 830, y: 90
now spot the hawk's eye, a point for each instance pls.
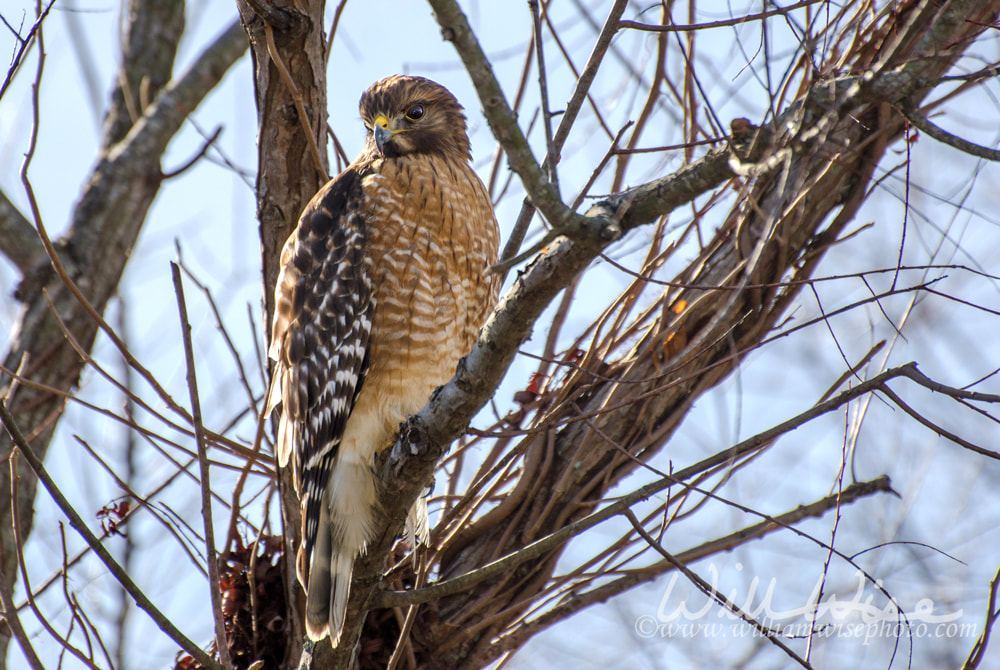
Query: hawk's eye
x: 415, y: 112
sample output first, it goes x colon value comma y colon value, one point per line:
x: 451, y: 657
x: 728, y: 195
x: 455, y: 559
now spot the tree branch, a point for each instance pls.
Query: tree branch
x: 80, y: 526
x: 18, y: 238
x: 620, y: 585
x: 925, y: 126
x: 543, y: 546
x: 211, y: 557
x: 501, y: 118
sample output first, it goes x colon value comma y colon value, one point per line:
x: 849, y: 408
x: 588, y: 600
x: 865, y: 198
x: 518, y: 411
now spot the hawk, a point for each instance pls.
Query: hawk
x: 382, y: 288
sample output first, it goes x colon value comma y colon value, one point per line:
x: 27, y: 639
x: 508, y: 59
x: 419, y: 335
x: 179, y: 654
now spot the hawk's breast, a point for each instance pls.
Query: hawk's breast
x: 426, y: 218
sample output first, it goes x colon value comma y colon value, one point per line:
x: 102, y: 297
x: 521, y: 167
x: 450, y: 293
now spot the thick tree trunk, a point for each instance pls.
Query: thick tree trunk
x: 287, y: 178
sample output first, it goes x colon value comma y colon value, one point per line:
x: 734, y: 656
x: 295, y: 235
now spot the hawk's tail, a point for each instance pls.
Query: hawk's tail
x: 342, y: 533
x: 329, y: 585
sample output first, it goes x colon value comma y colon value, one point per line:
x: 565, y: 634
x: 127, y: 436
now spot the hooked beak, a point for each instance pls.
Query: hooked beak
x: 381, y: 132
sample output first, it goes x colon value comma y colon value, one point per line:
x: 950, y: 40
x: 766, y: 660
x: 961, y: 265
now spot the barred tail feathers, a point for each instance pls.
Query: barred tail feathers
x: 318, y: 582
x: 344, y: 529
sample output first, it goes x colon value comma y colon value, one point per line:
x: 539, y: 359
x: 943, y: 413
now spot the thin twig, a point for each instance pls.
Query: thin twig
x: 73, y: 604
x: 144, y: 603
x: 711, y: 592
x: 941, y: 135
x: 13, y: 621
x: 992, y: 615
x: 63, y: 642
x: 300, y: 108
x: 206, y: 486
x: 411, y: 616
x: 333, y: 28
x: 194, y: 159
x: 672, y: 28
x: 549, y: 164
x: 25, y: 44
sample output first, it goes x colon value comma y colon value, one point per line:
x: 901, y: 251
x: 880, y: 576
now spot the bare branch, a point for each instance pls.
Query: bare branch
x: 13, y: 620
x: 924, y: 124
x: 94, y: 543
x: 502, y: 119
x: 211, y: 558
x: 24, y: 44
x: 992, y: 615
x: 673, y: 27
x: 18, y: 238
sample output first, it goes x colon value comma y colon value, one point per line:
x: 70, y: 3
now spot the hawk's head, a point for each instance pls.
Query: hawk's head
x: 412, y: 115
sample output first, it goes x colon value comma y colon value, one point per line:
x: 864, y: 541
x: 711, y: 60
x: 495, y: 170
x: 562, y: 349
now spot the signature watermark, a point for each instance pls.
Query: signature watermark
x: 855, y: 615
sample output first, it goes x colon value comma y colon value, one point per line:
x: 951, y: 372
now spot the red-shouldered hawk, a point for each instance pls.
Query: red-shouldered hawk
x: 383, y: 287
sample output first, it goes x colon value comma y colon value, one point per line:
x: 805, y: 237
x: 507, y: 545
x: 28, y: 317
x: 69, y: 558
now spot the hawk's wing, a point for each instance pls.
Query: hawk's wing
x: 322, y: 320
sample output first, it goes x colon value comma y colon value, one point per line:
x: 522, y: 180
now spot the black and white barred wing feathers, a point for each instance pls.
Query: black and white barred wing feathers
x: 322, y: 321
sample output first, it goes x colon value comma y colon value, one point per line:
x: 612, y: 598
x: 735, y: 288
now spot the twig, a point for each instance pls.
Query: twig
x: 551, y: 154
x: 825, y: 572
x: 986, y: 72
x: 293, y: 91
x: 78, y: 523
x: 13, y: 620
x: 941, y: 135
x: 333, y: 28
x: 938, y: 429
x: 23, y: 569
x: 411, y: 616
x: 128, y: 553
x: 25, y: 43
x: 672, y: 28
x: 710, y: 591
x: 206, y: 486
x: 73, y: 604
x: 204, y: 149
x: 992, y: 614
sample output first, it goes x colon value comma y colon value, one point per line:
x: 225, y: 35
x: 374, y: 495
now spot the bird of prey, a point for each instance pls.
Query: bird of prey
x: 383, y: 286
